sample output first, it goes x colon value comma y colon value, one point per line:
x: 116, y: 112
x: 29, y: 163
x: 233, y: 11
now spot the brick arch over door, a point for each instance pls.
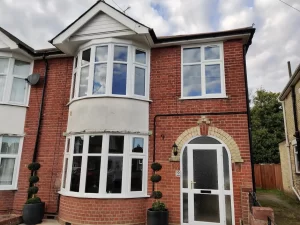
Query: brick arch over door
x: 214, y: 132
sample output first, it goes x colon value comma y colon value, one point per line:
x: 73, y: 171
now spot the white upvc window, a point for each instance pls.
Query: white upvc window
x: 202, y: 72
x: 10, y: 152
x: 111, y: 69
x: 297, y: 162
x: 105, y: 166
x: 13, y: 87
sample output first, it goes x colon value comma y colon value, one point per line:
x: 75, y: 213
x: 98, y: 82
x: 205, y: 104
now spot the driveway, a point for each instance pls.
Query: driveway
x: 286, y: 209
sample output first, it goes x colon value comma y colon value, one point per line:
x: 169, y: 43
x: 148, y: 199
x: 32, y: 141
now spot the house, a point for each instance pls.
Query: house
x: 289, y: 157
x: 112, y: 98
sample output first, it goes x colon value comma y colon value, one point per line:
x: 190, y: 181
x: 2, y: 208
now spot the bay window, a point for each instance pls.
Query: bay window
x: 105, y: 166
x: 111, y: 70
x: 203, y: 72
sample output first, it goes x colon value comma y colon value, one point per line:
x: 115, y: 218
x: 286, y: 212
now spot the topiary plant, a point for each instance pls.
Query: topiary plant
x: 33, y: 179
x: 155, y: 178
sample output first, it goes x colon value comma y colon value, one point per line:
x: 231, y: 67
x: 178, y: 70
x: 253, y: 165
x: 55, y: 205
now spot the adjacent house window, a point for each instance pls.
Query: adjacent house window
x: 105, y: 165
x: 203, y: 72
x: 111, y: 70
x: 297, y: 162
x: 10, y: 151
x: 13, y: 87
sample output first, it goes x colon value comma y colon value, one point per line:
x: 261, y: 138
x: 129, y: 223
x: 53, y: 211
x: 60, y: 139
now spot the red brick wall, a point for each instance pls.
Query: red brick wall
x: 6, y: 201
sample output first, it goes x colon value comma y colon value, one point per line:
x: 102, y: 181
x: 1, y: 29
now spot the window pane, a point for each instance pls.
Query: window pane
x: 191, y: 55
x: 78, y: 145
x: 212, y: 52
x: 114, y: 174
x: 95, y: 144
x: 116, y: 144
x: 74, y: 86
x: 120, y: 53
x: 10, y: 145
x: 185, y: 168
x: 21, y: 68
x: 140, y: 56
x: 213, y: 79
x: 76, y: 170
x: 18, y: 90
x: 101, y: 54
x: 2, y: 85
x: 228, y: 210
x: 192, y: 81
x: 3, y: 66
x: 83, y: 84
x: 226, y: 170
x: 139, y: 81
x: 6, y: 171
x: 138, y: 145
x: 119, y: 79
x: 76, y: 62
x: 93, y: 174
x: 99, y: 84
x: 136, y: 175
x: 68, y: 145
x: 86, y: 57
x: 65, y: 172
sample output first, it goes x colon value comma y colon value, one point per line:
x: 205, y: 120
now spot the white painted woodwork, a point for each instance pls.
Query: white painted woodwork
x: 12, y: 119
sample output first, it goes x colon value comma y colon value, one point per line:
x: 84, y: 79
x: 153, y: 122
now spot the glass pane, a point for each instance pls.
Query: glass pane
x: 68, y: 145
x: 101, y: 54
x: 6, y: 171
x: 95, y: 144
x: 204, y: 140
x: 78, y: 145
x: 93, y: 174
x: 65, y: 172
x: 136, y: 175
x: 139, y: 81
x: 10, y: 145
x: 2, y: 85
x: 99, y: 84
x: 140, y: 56
x: 226, y: 170
x: 119, y: 79
x: 138, y: 145
x: 206, y: 208
x: 76, y: 170
x: 116, y: 144
x: 213, y: 79
x: 191, y: 55
x: 76, y: 62
x: 21, y: 68
x: 185, y: 207
x: 192, y: 81
x: 184, y: 169
x: 3, y: 66
x: 18, y: 90
x: 212, y: 52
x: 114, y: 174
x: 74, y: 86
x: 120, y: 53
x: 86, y: 57
x: 228, y: 210
x: 83, y: 83
x: 205, y: 169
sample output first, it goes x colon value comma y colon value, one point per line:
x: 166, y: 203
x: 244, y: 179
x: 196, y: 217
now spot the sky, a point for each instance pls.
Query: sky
x: 276, y: 40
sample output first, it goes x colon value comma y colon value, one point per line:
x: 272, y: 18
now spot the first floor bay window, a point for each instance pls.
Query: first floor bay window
x: 105, y: 165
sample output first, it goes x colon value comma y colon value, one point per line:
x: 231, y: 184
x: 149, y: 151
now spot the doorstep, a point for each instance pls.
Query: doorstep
x: 47, y: 222
x: 10, y: 219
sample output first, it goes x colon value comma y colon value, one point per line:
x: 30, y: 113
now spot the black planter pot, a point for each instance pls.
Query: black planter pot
x: 157, y: 217
x: 33, y: 213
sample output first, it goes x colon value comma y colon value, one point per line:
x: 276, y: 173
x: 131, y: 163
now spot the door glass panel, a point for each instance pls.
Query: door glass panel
x: 226, y: 170
x: 228, y: 210
x: 185, y: 207
x: 205, y: 169
x: 206, y: 208
x: 184, y: 169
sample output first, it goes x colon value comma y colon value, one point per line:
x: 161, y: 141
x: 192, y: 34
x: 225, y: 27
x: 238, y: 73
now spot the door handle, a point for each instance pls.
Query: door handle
x: 192, y: 184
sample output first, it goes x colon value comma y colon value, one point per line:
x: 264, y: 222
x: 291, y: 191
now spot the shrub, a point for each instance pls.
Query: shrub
x: 33, y: 190
x: 34, y: 166
x: 157, y: 194
x: 34, y: 179
x: 155, y: 178
x: 156, y: 166
x: 33, y: 200
x: 158, y: 206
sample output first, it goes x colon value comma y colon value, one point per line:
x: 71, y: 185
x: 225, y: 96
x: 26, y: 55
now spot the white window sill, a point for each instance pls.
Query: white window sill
x: 98, y: 196
x: 108, y: 96
x: 204, y: 97
x: 8, y: 189
x: 14, y: 104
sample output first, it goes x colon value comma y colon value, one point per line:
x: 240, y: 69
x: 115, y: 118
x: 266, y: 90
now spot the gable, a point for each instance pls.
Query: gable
x: 2, y: 45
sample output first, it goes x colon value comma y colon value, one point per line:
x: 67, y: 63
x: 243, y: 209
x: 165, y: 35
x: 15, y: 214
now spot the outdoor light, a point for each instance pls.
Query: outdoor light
x: 33, y: 79
x: 175, y: 149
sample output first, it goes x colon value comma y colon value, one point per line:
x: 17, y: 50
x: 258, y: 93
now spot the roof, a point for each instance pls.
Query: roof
x: 293, y: 81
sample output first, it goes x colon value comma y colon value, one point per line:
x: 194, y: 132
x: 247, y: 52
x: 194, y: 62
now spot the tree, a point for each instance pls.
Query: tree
x: 267, y: 126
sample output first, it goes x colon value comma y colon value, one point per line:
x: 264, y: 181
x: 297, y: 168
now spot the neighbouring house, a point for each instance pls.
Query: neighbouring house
x: 289, y: 157
x: 114, y: 97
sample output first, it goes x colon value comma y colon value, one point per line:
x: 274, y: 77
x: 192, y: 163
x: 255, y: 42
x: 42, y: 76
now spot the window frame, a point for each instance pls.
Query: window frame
x: 203, y: 63
x: 17, y: 157
x: 126, y: 172
x: 297, y: 163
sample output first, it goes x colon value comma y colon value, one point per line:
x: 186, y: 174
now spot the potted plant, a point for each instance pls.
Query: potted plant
x: 158, y: 214
x: 33, y: 210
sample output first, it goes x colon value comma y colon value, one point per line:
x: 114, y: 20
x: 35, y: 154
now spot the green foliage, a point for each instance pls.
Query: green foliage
x: 267, y: 127
x: 155, y: 178
x: 33, y: 200
x: 156, y: 166
x: 157, y: 194
x: 33, y: 190
x: 34, y: 179
x: 158, y: 206
x: 34, y: 166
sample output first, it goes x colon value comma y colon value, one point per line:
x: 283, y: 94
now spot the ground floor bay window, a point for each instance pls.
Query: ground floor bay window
x: 105, y: 166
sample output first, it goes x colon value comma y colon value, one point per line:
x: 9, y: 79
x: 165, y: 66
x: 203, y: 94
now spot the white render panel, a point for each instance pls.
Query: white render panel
x: 2, y: 45
x: 111, y: 114
x: 12, y: 119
